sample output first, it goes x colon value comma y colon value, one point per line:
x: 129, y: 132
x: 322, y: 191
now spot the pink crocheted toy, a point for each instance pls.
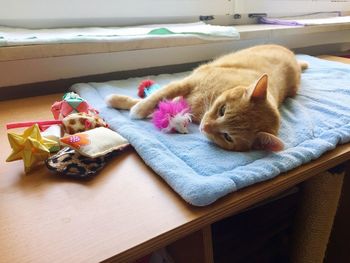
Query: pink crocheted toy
x: 71, y: 103
x: 172, y: 116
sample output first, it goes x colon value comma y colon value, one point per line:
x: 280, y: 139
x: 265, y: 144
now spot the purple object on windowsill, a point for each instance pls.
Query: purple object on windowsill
x: 301, y: 20
x: 276, y: 21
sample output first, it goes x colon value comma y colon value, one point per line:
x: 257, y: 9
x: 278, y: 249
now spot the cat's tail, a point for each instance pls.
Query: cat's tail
x: 121, y: 102
x: 303, y: 64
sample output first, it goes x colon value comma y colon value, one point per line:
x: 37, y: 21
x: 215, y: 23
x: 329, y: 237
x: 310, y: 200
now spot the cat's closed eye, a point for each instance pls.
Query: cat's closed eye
x: 227, y: 137
x: 222, y: 110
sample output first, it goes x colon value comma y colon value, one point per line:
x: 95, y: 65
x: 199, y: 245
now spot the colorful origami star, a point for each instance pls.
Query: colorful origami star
x: 31, y: 146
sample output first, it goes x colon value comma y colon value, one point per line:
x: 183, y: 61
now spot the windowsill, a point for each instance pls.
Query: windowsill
x: 51, y: 62
x: 247, y: 32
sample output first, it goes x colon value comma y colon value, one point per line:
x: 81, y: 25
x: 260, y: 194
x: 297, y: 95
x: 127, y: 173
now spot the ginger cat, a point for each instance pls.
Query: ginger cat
x: 234, y: 98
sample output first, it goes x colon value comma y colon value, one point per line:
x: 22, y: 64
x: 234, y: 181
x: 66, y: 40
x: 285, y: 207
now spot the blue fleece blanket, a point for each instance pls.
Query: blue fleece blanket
x: 313, y: 122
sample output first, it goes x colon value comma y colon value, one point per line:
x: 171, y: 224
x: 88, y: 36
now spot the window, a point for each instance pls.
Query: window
x: 65, y: 13
x: 64, y: 61
x: 60, y: 13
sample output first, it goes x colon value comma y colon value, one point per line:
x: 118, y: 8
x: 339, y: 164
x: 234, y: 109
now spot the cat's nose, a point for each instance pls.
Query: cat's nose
x: 206, y: 127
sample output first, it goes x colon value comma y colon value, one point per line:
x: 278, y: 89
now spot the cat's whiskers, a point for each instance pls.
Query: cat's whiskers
x: 212, y: 98
x: 206, y: 102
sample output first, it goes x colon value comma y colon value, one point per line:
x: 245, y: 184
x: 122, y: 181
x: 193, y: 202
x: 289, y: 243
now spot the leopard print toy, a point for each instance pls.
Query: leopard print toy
x: 79, y: 122
x: 68, y: 162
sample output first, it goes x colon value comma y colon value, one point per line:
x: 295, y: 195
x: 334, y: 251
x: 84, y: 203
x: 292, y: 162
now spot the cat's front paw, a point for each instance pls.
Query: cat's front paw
x: 138, y: 111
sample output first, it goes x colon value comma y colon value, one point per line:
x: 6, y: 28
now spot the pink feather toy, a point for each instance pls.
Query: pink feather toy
x: 172, y: 116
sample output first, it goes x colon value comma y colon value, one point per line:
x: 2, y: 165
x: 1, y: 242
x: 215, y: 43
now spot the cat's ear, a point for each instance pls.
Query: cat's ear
x: 267, y: 142
x: 258, y: 91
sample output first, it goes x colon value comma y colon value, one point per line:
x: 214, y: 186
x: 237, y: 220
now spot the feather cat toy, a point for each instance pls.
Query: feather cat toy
x: 172, y: 116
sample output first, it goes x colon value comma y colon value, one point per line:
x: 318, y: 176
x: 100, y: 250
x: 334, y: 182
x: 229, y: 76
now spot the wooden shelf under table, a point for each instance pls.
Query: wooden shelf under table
x: 124, y: 213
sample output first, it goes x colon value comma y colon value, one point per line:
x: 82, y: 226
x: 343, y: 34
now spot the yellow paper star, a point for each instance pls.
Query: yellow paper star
x: 30, y: 146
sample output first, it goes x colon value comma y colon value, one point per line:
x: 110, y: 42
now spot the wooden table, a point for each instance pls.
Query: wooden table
x: 124, y: 213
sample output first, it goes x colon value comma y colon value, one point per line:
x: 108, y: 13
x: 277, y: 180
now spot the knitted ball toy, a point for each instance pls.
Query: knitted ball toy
x: 147, y: 87
x: 172, y: 116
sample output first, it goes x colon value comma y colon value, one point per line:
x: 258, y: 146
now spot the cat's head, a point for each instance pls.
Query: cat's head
x: 242, y: 118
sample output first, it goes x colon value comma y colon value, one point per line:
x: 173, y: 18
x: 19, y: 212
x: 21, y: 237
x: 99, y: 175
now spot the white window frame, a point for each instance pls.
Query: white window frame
x: 62, y: 13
